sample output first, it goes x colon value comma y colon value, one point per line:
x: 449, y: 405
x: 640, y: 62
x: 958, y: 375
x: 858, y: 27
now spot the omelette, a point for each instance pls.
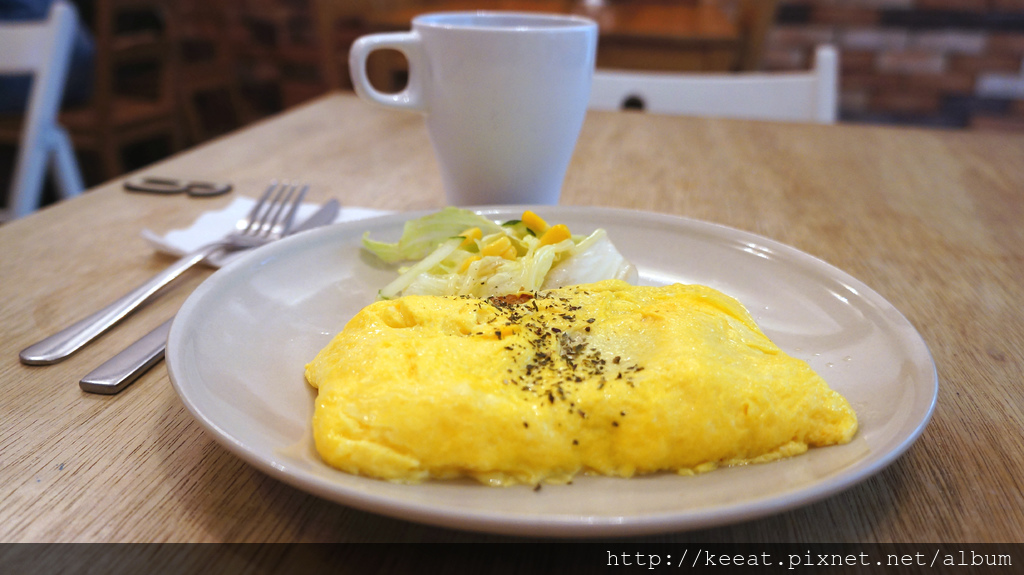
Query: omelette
x: 603, y: 378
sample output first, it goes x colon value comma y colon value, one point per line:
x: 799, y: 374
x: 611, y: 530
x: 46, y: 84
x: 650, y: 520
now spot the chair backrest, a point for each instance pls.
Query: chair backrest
x: 29, y: 46
x: 42, y: 49
x: 784, y: 96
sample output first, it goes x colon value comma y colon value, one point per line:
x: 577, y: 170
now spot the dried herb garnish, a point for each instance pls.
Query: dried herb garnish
x: 555, y: 360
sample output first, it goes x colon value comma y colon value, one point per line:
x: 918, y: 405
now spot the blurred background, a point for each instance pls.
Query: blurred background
x: 169, y: 74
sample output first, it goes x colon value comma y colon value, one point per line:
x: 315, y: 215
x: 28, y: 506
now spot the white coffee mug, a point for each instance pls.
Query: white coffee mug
x: 504, y: 95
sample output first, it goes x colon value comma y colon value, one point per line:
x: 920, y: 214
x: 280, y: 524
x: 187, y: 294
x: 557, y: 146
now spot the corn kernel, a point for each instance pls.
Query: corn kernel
x: 510, y: 253
x: 497, y: 247
x: 555, y: 234
x: 535, y: 223
x: 467, y: 262
x: 471, y: 234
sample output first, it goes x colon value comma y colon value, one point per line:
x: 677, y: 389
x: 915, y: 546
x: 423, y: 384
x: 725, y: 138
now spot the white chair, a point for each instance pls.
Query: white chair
x: 42, y: 49
x: 784, y: 96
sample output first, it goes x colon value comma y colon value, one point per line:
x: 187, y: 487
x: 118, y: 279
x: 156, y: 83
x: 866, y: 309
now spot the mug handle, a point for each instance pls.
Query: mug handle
x: 409, y: 44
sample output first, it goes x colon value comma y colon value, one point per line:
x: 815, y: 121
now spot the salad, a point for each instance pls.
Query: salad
x: 459, y: 252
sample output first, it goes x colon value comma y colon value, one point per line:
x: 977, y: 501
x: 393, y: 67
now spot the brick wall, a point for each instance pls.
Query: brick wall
x: 943, y: 63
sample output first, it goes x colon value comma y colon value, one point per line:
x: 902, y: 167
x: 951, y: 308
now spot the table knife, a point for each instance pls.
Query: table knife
x: 123, y: 369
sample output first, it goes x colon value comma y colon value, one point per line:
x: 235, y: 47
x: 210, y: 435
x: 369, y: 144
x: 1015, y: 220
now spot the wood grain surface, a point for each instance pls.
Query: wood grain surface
x: 932, y: 220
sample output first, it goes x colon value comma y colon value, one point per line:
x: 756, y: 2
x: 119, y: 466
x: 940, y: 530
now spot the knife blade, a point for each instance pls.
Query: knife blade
x: 123, y: 369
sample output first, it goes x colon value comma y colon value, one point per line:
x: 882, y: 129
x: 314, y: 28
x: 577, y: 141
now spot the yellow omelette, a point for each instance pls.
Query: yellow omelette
x: 604, y: 378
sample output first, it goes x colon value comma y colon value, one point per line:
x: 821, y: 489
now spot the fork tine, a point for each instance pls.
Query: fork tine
x: 249, y: 224
x: 265, y: 223
x: 289, y: 220
x: 277, y: 215
x: 274, y: 212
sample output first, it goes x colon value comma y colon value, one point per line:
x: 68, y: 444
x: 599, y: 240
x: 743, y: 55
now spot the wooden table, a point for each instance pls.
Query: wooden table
x: 930, y: 219
x: 634, y: 35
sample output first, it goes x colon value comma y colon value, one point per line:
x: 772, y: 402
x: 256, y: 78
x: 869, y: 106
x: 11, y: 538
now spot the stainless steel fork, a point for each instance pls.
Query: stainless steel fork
x: 270, y: 219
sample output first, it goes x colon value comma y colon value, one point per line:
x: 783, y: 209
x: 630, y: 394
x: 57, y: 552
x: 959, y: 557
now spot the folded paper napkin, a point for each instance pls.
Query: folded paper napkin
x: 211, y: 226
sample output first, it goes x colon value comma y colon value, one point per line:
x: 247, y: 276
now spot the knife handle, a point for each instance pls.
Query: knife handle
x: 70, y: 339
x: 124, y: 368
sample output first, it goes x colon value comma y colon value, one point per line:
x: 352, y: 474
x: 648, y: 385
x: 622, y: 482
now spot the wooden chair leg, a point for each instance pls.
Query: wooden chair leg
x: 196, y: 129
x: 110, y: 159
x: 177, y: 138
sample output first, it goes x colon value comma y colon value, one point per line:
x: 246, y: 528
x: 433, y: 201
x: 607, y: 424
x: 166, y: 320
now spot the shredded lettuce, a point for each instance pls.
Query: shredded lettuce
x: 458, y: 252
x: 594, y: 259
x: 422, y: 236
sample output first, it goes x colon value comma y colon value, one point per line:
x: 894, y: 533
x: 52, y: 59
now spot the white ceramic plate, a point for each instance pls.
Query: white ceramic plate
x: 238, y: 346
